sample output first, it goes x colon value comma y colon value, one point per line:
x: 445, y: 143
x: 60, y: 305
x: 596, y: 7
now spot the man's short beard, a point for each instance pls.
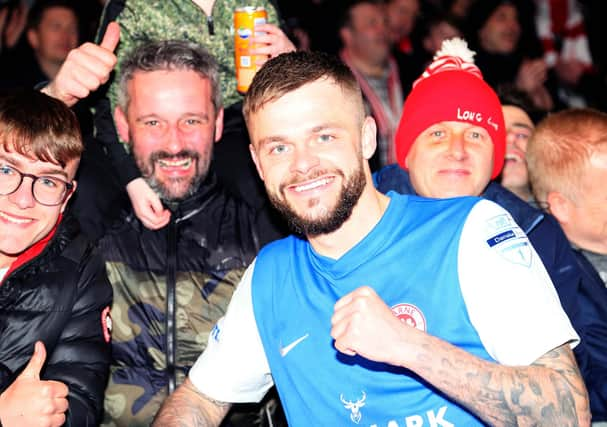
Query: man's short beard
x: 165, y: 192
x: 350, y: 193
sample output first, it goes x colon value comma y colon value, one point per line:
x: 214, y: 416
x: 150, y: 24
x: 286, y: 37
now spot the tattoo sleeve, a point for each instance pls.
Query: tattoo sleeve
x: 187, y: 407
x: 550, y: 392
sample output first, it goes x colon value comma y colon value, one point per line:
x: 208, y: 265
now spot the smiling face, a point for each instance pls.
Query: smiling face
x: 24, y: 221
x: 171, y: 124
x: 518, y: 131
x: 451, y: 159
x: 309, y: 147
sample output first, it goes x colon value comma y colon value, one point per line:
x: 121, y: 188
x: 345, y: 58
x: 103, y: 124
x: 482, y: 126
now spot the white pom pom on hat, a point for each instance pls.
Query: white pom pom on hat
x: 454, y: 54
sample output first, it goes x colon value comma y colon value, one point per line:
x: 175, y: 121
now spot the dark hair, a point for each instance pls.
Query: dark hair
x: 36, y: 125
x: 6, y: 3
x: 37, y: 11
x: 433, y: 19
x: 290, y: 71
x: 481, y: 11
x: 509, y: 95
x: 345, y: 17
x: 169, y: 55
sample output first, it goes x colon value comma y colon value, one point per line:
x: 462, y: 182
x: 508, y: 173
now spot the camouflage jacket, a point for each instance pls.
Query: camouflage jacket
x: 170, y: 288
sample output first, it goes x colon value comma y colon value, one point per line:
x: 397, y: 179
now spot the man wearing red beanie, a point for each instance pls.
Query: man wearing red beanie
x: 450, y: 142
x: 450, y: 91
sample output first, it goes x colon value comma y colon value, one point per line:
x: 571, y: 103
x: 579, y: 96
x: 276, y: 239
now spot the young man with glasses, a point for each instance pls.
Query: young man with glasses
x: 54, y: 295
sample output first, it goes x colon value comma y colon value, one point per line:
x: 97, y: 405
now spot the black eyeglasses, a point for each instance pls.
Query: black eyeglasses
x: 47, y: 190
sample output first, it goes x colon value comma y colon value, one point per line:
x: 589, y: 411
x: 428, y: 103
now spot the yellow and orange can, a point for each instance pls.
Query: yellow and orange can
x: 245, y: 19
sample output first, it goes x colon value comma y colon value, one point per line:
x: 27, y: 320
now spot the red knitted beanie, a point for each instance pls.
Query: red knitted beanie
x: 452, y: 89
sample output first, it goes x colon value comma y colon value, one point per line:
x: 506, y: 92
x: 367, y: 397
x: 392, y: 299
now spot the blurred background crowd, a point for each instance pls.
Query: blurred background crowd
x: 549, y: 49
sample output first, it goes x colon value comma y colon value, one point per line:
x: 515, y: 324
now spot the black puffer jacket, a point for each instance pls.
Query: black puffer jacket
x: 59, y: 297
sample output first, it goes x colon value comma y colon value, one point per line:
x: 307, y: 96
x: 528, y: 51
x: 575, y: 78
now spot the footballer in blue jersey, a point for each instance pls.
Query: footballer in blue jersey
x: 382, y: 310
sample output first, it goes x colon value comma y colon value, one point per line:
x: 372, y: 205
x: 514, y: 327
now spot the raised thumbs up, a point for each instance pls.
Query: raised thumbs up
x: 28, y: 401
x: 34, y: 366
x: 86, y: 68
x: 111, y: 37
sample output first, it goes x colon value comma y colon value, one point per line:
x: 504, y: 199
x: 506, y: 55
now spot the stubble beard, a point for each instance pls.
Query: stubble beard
x: 174, y: 189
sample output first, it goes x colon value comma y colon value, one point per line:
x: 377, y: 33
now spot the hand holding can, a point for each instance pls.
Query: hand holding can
x: 269, y: 41
x: 245, y: 21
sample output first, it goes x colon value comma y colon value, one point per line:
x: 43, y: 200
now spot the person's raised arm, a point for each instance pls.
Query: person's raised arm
x: 85, y: 69
x: 187, y: 407
x: 548, y: 392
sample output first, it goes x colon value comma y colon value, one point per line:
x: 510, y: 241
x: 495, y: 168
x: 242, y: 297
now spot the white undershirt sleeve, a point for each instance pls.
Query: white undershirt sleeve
x: 234, y: 367
x: 510, y: 298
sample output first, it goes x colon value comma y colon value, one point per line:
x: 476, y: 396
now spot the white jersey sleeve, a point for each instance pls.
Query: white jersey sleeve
x: 510, y: 298
x: 234, y: 367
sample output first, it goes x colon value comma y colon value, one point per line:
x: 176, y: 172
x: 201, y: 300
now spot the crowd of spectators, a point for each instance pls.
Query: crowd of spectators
x: 539, y: 56
x: 549, y: 49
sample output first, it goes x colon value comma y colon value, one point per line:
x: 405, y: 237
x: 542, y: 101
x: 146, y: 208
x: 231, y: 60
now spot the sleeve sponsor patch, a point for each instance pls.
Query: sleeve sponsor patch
x: 506, y: 237
x: 501, y: 237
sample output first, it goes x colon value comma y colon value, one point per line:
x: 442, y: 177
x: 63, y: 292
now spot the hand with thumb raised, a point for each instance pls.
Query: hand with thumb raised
x: 86, y: 68
x: 29, y: 401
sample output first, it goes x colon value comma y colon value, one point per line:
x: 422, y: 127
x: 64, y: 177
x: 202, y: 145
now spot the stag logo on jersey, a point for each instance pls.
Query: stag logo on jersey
x: 354, y: 407
x: 410, y: 315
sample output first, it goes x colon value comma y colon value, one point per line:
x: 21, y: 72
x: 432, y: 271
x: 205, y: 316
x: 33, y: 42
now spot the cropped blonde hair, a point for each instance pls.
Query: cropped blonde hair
x: 560, y: 149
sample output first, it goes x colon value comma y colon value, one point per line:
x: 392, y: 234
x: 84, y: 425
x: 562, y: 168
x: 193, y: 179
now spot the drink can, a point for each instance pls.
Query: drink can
x: 245, y: 19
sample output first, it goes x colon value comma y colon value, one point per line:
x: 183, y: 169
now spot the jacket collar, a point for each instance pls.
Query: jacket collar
x: 34, y: 250
x: 186, y: 208
x: 393, y: 177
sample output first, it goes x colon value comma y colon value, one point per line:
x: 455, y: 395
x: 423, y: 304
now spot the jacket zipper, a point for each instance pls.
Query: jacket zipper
x: 171, y: 332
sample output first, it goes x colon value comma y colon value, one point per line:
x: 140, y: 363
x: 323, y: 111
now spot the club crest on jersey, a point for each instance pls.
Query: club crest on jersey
x: 410, y: 315
x: 354, y: 407
x: 106, y: 324
x: 517, y: 252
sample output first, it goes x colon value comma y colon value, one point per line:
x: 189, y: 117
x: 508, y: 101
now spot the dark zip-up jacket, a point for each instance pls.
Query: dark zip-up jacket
x: 577, y: 289
x: 170, y: 288
x: 61, y: 297
x: 593, y: 357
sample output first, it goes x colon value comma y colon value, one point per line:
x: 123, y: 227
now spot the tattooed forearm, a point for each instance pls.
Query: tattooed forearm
x: 189, y: 408
x: 550, y: 392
